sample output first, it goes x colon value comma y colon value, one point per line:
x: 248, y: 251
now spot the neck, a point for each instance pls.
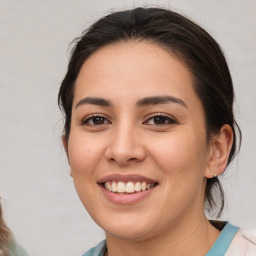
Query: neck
x: 189, y: 238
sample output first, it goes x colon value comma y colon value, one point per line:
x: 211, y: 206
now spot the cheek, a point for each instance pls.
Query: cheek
x: 182, y: 160
x: 181, y: 155
x: 84, y: 157
x: 84, y: 154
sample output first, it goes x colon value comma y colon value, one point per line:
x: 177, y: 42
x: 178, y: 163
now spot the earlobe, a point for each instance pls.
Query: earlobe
x: 221, y: 145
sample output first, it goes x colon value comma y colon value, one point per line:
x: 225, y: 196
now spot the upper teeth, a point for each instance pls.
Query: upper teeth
x: 128, y: 187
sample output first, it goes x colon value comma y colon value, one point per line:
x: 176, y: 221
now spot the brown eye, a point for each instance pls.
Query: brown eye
x: 98, y: 120
x: 160, y: 120
x: 95, y: 121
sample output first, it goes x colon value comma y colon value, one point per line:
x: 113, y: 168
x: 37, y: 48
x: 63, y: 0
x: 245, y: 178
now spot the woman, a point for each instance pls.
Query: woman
x: 149, y: 127
x: 8, y: 246
x: 5, y: 235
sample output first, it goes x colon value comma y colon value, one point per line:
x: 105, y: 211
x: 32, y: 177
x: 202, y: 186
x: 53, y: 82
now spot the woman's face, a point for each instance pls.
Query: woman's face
x: 137, y: 147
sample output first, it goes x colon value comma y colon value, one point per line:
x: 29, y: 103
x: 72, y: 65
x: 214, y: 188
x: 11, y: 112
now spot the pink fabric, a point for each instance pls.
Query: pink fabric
x: 243, y: 244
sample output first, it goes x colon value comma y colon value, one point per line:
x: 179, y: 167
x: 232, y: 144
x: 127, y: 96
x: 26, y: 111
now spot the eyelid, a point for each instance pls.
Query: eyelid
x: 88, y: 117
x: 170, y: 118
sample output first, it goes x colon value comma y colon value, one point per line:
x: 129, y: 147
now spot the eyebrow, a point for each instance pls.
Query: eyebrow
x: 160, y: 100
x: 154, y: 100
x: 94, y: 101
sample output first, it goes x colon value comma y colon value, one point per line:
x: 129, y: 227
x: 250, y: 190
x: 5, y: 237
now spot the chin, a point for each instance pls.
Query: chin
x: 130, y: 234
x: 128, y: 229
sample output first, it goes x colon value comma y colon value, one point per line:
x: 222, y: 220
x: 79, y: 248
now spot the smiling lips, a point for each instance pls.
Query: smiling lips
x: 127, y: 184
x: 127, y: 187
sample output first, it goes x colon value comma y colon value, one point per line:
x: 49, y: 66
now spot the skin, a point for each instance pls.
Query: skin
x: 129, y: 140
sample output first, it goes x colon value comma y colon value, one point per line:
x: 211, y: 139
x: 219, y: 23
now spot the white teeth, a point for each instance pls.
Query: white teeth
x: 128, y: 187
x: 108, y: 186
x: 144, y: 186
x: 114, y: 187
x: 138, y: 186
x: 120, y: 187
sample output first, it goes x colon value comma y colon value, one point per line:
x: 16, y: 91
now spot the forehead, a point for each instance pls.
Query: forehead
x: 134, y: 69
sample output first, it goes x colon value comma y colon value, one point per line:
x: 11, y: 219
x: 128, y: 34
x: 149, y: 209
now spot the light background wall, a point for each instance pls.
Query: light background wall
x: 38, y: 196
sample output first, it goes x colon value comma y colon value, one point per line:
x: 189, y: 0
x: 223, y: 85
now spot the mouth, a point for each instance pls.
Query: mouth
x: 129, y: 187
x: 128, y: 184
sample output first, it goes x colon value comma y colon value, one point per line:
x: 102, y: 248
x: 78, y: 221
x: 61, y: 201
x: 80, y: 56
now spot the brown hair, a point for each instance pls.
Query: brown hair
x: 5, y: 234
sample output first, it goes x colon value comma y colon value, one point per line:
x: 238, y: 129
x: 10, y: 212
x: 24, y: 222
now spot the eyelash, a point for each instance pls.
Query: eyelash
x: 164, y: 118
x: 91, y: 118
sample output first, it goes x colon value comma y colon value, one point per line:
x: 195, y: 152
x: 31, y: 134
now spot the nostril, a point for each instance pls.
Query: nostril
x: 132, y: 159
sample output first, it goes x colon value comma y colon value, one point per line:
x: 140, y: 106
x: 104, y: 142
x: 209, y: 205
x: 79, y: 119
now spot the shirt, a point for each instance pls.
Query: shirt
x: 219, y: 248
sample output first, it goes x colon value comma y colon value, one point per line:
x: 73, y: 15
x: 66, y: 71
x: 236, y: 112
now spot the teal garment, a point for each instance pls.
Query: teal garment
x: 12, y: 249
x: 223, y: 241
x: 219, y: 248
x: 99, y: 250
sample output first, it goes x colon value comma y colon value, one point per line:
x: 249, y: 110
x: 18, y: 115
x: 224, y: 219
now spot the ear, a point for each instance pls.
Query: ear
x: 220, y: 145
x: 65, y: 145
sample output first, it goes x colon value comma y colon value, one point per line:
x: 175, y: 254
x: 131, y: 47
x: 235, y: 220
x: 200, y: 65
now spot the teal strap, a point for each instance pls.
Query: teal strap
x: 223, y: 241
x: 219, y: 248
x: 99, y: 250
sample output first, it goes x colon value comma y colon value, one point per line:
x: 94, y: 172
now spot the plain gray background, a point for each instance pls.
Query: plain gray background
x: 38, y: 196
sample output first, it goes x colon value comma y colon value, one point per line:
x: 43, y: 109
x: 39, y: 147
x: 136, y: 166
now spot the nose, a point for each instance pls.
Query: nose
x: 125, y: 146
